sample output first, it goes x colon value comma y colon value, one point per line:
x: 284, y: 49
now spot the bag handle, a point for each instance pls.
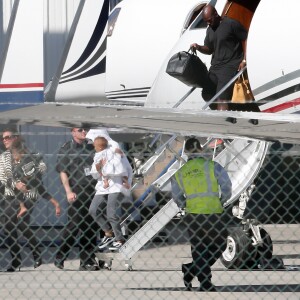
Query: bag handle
x: 243, y: 82
x: 193, y: 51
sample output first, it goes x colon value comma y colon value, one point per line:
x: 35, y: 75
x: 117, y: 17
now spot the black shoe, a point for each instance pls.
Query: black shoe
x: 11, y: 269
x: 207, y: 287
x: 231, y: 120
x: 59, y: 264
x: 89, y: 267
x: 253, y: 121
x: 37, y: 257
x: 15, y: 265
x: 37, y: 263
x: 188, y: 275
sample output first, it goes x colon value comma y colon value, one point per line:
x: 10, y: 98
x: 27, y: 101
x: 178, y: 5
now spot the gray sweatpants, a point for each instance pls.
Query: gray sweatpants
x: 103, y: 209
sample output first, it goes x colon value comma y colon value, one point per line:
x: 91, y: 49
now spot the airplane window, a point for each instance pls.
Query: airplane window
x: 196, y: 20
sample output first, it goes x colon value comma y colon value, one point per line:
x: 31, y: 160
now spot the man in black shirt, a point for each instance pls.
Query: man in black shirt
x: 224, y: 41
x: 73, y: 164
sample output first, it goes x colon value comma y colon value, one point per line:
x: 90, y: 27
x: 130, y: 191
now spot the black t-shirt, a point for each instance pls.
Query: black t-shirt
x: 225, y: 43
x: 74, y: 159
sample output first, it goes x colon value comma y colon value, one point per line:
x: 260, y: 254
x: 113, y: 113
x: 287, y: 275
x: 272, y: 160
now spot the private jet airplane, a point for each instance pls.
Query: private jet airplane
x: 142, y: 36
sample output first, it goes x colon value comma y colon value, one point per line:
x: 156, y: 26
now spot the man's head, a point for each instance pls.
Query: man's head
x: 79, y: 134
x: 100, y: 143
x: 192, y: 145
x: 8, y: 136
x: 211, y: 17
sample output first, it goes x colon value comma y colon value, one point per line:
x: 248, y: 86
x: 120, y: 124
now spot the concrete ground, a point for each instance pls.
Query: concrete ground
x: 156, y: 275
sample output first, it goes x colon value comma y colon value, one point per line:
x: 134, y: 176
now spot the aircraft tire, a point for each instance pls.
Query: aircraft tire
x: 239, y: 253
x: 265, y: 251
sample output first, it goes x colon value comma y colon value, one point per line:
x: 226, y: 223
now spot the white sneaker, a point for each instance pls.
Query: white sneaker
x: 116, y: 245
x: 106, y: 241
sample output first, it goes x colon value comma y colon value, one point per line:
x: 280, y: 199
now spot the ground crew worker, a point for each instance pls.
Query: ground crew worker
x: 195, y: 187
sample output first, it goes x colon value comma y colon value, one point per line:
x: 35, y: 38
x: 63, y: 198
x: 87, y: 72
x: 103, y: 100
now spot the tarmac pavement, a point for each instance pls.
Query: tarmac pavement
x: 156, y: 274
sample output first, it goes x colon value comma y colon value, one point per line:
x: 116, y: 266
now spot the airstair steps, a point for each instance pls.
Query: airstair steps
x: 157, y: 167
x: 232, y: 157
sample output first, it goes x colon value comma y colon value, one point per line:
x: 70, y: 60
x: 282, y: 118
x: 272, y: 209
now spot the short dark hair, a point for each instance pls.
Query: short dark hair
x: 192, y: 145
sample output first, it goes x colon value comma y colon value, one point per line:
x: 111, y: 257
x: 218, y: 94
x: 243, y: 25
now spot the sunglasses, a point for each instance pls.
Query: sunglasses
x: 8, y: 137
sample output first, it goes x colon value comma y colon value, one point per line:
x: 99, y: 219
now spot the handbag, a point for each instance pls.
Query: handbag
x: 187, y: 67
x: 241, y: 90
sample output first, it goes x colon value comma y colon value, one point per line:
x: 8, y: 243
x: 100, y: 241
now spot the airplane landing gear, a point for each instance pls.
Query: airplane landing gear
x: 247, y: 247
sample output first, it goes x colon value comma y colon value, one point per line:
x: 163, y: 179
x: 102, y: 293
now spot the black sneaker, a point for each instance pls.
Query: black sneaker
x: 105, y: 242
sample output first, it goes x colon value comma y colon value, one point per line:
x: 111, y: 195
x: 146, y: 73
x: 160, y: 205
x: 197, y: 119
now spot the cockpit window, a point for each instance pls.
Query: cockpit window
x: 195, y: 19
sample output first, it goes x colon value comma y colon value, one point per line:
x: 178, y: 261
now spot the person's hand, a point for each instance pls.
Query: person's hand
x: 119, y: 151
x: 21, y: 187
x: 242, y: 65
x: 57, y: 210
x: 126, y: 185
x: 194, y: 47
x: 100, y: 165
x: 71, y: 197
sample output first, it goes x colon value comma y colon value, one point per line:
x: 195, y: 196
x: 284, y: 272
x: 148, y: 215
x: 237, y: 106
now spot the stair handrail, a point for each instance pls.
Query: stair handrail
x: 231, y: 81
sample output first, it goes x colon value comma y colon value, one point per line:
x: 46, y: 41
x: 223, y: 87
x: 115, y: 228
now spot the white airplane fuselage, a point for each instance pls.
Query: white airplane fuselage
x: 136, y: 49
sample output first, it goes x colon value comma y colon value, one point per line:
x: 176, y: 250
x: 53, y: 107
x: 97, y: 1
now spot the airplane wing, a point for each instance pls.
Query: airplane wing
x: 281, y: 127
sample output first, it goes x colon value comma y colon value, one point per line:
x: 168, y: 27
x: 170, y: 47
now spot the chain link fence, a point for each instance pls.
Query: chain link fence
x: 260, y: 256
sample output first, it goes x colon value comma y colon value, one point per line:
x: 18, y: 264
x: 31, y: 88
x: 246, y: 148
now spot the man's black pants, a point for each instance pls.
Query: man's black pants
x: 79, y: 221
x: 208, y: 237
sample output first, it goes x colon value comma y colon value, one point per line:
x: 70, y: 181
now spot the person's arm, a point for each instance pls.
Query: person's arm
x: 203, y: 49
x: 223, y: 181
x: 177, y: 193
x: 95, y: 170
x: 44, y: 194
x: 71, y: 196
x: 62, y: 164
x: 56, y: 205
x: 113, y: 166
x: 244, y: 61
x: 241, y: 34
x: 6, y: 174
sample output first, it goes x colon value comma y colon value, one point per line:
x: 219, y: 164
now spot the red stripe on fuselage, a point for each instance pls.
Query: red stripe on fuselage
x: 20, y: 85
x: 283, y: 106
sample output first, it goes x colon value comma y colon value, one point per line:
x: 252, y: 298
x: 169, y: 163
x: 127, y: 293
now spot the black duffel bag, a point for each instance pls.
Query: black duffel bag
x: 188, y: 68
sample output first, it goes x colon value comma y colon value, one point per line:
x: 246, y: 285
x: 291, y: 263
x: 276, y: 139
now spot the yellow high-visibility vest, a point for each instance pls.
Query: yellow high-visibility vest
x: 197, y: 180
